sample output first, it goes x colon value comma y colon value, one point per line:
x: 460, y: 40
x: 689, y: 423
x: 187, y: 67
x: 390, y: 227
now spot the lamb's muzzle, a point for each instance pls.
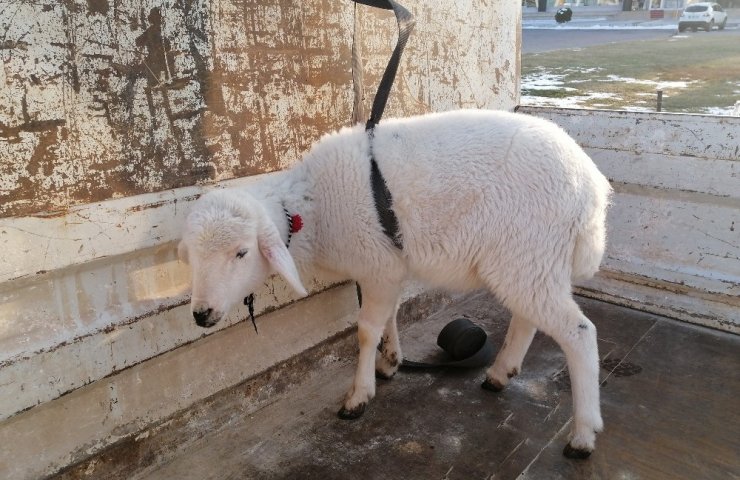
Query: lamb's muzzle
x: 203, y: 317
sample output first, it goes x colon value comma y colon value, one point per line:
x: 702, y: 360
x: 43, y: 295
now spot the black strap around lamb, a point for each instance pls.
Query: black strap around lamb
x: 381, y: 194
x: 406, y: 24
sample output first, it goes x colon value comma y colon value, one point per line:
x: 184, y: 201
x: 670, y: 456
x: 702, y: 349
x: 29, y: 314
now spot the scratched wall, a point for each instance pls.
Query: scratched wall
x: 460, y: 55
x: 110, y: 98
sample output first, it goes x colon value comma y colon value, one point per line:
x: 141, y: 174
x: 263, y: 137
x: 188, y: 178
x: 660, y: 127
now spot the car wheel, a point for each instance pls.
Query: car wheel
x: 709, y: 26
x: 722, y: 25
x: 681, y: 28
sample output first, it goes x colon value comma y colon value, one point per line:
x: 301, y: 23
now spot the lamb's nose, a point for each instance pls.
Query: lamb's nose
x: 201, y: 317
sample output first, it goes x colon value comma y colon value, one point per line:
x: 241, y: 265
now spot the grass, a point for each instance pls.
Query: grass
x: 697, y: 74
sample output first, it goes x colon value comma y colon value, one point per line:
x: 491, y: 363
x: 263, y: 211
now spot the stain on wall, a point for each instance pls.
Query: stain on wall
x: 110, y: 98
x: 102, y: 99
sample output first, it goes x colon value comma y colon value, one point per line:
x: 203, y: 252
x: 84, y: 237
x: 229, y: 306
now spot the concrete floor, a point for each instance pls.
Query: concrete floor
x: 669, y: 398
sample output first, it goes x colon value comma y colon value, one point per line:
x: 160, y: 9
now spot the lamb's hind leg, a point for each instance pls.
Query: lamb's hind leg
x: 563, y: 320
x: 378, y: 304
x: 509, y: 360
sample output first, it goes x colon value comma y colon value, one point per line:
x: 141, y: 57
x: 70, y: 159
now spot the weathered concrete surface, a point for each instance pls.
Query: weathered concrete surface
x: 108, y: 98
x: 460, y: 55
x: 57, y: 433
x: 674, y: 225
x: 107, y: 302
x: 159, y: 440
x: 666, y: 414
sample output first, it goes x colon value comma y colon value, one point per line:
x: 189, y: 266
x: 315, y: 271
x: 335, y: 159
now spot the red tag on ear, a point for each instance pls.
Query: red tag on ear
x: 296, y: 223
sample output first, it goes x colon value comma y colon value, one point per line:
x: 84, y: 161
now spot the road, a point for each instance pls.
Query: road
x: 546, y: 40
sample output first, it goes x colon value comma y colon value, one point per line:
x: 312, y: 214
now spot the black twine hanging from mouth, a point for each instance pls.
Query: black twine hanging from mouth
x: 295, y: 223
x: 249, y: 302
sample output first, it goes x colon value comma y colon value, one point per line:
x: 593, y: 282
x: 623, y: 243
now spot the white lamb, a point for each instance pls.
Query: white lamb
x: 489, y: 199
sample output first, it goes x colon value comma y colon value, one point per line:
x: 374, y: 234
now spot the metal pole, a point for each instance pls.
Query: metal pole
x: 660, y: 100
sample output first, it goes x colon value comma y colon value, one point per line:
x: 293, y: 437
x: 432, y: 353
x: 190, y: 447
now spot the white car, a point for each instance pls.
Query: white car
x: 702, y: 15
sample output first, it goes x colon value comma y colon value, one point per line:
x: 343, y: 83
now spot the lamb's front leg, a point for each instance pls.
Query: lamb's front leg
x: 378, y: 304
x: 389, y: 357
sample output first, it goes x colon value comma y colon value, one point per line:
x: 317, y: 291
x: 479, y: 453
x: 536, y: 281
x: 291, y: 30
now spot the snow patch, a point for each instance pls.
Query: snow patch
x: 575, y: 101
x: 657, y: 84
x: 573, y: 25
x: 732, y: 111
x: 542, y: 81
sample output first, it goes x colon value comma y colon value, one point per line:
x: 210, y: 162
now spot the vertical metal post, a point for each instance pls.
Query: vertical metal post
x: 660, y: 100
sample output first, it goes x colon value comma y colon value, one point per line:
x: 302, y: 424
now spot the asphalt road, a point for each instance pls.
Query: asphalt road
x: 546, y: 40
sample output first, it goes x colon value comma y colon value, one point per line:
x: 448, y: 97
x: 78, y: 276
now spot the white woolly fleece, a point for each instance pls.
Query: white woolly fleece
x: 483, y: 199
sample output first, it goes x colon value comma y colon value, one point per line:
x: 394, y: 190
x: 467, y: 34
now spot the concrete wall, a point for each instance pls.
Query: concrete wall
x: 105, y: 98
x: 115, y: 116
x: 674, y: 225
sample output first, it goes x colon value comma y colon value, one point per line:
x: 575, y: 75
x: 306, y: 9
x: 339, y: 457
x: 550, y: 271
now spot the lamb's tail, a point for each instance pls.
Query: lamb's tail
x: 588, y: 252
x: 591, y: 238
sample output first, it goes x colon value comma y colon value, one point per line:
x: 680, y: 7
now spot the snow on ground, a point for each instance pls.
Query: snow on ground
x: 545, y: 81
x: 596, y: 24
x: 655, y: 83
x: 733, y: 111
x: 574, y: 101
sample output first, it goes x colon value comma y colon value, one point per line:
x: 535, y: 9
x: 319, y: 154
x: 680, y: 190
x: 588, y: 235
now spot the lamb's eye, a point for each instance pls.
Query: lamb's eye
x: 241, y: 253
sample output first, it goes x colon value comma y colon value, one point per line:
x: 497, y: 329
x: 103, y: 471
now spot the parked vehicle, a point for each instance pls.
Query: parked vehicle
x: 702, y: 15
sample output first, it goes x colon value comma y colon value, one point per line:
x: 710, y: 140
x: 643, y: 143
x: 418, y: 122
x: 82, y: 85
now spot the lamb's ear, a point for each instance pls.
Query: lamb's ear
x: 182, y: 252
x: 274, y: 250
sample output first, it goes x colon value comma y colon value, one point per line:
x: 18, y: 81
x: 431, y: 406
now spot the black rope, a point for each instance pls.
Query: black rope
x: 249, y: 302
x: 466, y: 343
x: 383, y: 204
x: 381, y: 194
x: 406, y: 24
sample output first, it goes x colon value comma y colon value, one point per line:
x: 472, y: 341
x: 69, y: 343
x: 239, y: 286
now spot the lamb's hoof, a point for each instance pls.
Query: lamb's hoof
x: 576, y: 453
x: 352, y: 414
x: 491, y: 385
x: 383, y: 376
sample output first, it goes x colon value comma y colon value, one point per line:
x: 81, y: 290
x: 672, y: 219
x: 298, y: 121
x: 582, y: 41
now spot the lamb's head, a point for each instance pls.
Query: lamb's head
x: 232, y: 246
